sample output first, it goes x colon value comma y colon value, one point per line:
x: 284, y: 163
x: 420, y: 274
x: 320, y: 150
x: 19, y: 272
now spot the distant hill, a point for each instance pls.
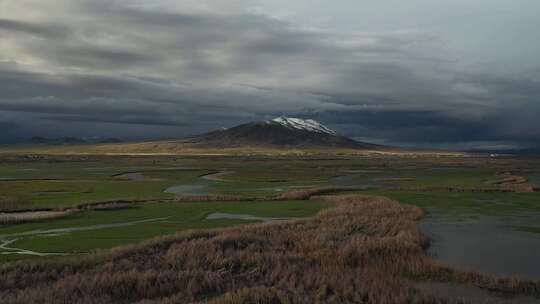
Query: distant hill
x: 109, y: 141
x: 56, y: 141
x: 281, y: 132
x: 73, y: 140
x: 70, y: 140
x: 278, y: 136
x: 40, y: 140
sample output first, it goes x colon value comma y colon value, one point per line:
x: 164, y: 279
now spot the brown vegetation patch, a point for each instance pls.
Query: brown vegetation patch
x: 508, y: 180
x: 212, y: 198
x: 364, y: 250
x: 455, y: 189
x: 303, y: 194
x: 394, y: 179
x: 512, y: 183
x: 108, y: 205
x: 518, y: 188
x: 31, y: 216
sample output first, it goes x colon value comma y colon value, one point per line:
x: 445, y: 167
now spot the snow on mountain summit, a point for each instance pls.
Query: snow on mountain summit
x: 303, y: 124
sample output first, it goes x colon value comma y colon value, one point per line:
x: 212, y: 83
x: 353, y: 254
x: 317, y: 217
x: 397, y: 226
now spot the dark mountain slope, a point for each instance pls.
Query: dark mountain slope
x: 281, y: 132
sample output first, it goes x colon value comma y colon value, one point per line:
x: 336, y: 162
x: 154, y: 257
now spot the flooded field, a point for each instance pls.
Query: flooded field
x: 486, y: 232
x: 187, y: 189
x: 486, y: 244
x: 535, y: 180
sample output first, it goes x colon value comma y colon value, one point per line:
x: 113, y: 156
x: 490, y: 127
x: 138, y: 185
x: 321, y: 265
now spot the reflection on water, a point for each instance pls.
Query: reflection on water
x: 187, y: 189
x: 487, y: 244
x: 535, y: 180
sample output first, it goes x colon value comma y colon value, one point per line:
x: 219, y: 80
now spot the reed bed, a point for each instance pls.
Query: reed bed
x: 517, y: 188
x: 107, y: 205
x: 32, y: 216
x: 303, y: 194
x: 363, y: 250
x: 212, y: 198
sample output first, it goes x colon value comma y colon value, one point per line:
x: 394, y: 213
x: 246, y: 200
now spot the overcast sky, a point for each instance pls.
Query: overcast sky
x: 454, y: 73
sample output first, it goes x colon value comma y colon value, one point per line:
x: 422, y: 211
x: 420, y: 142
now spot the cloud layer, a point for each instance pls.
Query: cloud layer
x: 174, y: 68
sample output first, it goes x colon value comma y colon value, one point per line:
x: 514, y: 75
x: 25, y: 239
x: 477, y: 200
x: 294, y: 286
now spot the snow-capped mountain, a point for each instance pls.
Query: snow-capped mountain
x: 303, y: 124
x: 284, y: 132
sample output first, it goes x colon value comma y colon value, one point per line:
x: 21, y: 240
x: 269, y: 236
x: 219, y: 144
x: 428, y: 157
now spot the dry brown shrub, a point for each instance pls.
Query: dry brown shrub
x: 31, y: 216
x: 106, y: 205
x: 212, y: 198
x: 459, y: 189
x: 307, y: 193
x: 512, y: 183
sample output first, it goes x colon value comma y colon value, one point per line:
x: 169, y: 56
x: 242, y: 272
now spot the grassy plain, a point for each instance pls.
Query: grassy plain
x: 457, y: 187
x: 334, y: 239
x: 468, y: 204
x: 172, y: 217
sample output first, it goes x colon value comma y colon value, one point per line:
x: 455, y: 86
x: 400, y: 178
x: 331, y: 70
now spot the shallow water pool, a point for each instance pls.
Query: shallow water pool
x: 486, y: 244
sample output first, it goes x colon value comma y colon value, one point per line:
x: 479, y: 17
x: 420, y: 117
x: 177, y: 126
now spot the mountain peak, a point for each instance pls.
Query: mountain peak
x: 303, y: 124
x: 280, y: 132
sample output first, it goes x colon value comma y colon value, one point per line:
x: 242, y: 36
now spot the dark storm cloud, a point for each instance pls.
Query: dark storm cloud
x: 42, y: 30
x: 413, y: 126
x: 98, y: 57
x: 136, y: 120
x: 436, y: 129
x: 184, y: 70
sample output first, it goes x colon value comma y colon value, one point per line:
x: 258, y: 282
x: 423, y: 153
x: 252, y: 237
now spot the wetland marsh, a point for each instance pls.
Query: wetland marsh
x: 106, y: 202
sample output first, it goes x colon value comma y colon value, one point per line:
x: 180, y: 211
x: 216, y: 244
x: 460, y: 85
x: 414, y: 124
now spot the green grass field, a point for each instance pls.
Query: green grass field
x: 468, y: 204
x: 67, y: 184
x: 63, y: 183
x: 169, y: 218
